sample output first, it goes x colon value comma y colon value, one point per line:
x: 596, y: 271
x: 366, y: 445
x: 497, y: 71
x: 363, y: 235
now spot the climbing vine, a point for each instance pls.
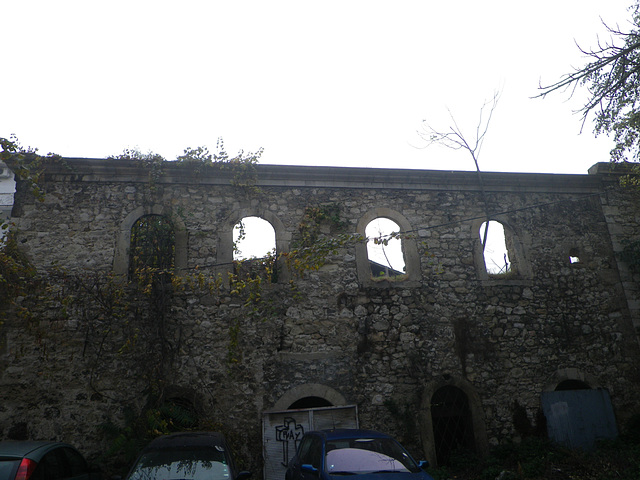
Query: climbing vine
x: 630, y: 254
x: 128, y: 321
x: 26, y: 163
x: 242, y: 166
x: 315, y: 220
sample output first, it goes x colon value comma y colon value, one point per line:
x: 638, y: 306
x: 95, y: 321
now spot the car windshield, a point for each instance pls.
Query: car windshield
x: 367, y: 455
x: 184, y: 464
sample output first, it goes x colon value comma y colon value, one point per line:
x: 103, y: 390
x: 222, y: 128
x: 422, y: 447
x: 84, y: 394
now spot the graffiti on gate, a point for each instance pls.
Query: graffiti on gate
x: 290, y: 431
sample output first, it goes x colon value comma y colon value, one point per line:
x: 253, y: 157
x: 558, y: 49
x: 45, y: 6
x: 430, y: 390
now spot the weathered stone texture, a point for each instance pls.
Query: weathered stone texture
x: 506, y: 338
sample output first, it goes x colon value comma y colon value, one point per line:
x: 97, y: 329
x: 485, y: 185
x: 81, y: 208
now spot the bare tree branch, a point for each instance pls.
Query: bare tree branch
x: 455, y: 139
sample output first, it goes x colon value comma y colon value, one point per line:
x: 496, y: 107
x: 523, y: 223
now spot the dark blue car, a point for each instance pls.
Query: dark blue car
x: 326, y: 454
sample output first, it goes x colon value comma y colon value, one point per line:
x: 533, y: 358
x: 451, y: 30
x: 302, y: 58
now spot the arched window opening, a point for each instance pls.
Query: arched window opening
x: 495, y: 252
x: 152, y: 244
x: 310, y: 402
x: 572, y: 384
x: 574, y: 256
x: 254, y: 248
x: 384, y: 249
x: 179, y: 412
x: 452, y: 423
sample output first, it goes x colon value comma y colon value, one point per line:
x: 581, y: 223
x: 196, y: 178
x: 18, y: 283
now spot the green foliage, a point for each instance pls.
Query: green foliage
x: 26, y: 163
x: 17, y: 275
x: 314, y: 220
x: 612, y: 77
x: 539, y: 459
x: 152, y: 245
x: 404, y: 415
x: 141, y: 427
x: 313, y: 257
x: 630, y: 255
x: 153, y: 161
x: 243, y: 166
x: 319, y: 237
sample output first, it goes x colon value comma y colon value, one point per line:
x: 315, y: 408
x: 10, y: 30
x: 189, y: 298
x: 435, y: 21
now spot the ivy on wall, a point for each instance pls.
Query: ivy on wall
x: 130, y: 321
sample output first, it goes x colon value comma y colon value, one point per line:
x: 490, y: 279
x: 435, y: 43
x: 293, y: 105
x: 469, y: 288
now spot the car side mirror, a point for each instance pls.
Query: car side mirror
x: 309, y: 468
x: 243, y: 475
x: 423, y: 464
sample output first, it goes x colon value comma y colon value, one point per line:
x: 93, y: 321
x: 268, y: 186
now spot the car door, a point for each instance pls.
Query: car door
x: 312, y: 456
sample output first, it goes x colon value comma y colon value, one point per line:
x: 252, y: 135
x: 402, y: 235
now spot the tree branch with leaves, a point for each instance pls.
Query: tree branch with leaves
x: 612, y: 77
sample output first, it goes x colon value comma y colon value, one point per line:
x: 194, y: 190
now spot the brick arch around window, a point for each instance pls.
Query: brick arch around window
x: 123, y: 242
x: 520, y: 266
x: 409, y: 247
x: 225, y: 240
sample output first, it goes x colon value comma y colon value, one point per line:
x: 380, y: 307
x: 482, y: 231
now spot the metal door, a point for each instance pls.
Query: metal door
x: 578, y: 418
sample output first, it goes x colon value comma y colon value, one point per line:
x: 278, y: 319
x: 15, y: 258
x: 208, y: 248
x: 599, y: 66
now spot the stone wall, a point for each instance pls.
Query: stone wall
x: 385, y: 346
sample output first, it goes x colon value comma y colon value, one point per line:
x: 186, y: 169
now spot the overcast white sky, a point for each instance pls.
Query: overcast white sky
x: 343, y: 83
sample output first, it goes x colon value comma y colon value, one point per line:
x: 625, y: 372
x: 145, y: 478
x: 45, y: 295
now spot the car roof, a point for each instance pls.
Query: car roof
x: 334, y: 434
x: 188, y: 439
x: 23, y: 448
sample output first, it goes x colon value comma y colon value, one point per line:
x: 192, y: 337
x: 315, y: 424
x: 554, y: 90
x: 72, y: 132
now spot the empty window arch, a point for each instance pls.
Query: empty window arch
x: 384, y: 248
x: 246, y: 239
x: 495, y: 252
x: 400, y: 260
x: 254, y: 248
x: 253, y: 237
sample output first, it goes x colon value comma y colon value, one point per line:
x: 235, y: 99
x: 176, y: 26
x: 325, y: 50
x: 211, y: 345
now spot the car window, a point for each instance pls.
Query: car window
x: 53, y: 466
x: 8, y: 467
x: 313, y: 452
x: 303, y: 450
x: 192, y: 463
x: 77, y: 464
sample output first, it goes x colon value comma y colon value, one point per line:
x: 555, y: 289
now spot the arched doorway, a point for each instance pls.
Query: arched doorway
x: 301, y: 409
x: 452, y: 423
x: 451, y: 419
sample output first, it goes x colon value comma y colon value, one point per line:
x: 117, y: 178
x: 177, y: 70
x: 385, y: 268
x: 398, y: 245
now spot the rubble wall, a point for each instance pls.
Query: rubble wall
x: 563, y: 313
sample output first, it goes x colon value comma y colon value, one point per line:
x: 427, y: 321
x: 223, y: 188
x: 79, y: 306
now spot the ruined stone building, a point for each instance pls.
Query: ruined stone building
x: 443, y: 352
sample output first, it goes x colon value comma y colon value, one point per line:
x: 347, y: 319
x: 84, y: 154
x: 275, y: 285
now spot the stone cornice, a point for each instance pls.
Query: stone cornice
x: 292, y: 176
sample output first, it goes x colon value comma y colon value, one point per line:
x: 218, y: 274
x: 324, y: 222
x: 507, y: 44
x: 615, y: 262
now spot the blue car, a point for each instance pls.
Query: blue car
x: 326, y: 454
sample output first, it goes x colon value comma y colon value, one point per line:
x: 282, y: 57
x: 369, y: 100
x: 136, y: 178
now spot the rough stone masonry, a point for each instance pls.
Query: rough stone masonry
x: 567, y: 311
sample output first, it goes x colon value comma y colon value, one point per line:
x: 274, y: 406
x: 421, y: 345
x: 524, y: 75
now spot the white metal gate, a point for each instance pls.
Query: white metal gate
x: 283, y: 430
